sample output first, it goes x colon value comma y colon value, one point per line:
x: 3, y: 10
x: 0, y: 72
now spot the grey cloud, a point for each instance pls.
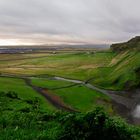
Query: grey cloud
x: 93, y: 21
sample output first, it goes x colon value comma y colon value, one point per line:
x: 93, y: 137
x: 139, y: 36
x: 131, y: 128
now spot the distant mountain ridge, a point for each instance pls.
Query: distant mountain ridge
x: 132, y: 44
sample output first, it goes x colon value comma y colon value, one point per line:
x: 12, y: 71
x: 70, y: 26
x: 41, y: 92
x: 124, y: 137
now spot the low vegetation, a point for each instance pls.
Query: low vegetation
x: 25, y: 94
x: 32, y: 123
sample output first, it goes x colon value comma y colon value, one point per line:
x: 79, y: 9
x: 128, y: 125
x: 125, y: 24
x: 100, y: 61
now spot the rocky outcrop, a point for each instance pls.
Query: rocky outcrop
x: 133, y: 44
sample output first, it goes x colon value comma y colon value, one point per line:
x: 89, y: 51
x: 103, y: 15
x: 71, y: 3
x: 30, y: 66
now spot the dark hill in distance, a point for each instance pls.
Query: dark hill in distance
x: 132, y: 44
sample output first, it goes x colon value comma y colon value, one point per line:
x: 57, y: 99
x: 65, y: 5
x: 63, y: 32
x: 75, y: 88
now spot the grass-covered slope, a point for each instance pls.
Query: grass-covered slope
x: 123, y: 72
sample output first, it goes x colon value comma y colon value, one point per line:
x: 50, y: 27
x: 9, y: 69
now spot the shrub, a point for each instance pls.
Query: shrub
x: 97, y: 125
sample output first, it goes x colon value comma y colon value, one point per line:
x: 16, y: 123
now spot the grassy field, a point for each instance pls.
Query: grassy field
x: 50, y: 83
x: 24, y: 94
x: 84, y: 99
x: 105, y: 69
x: 77, y: 96
x: 26, y: 114
x: 79, y: 65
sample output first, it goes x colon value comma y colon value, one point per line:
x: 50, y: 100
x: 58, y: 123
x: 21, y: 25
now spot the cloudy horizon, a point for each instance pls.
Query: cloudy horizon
x: 68, y: 21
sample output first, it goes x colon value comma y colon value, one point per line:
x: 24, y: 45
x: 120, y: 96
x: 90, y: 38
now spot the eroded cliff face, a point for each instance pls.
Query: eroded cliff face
x: 133, y: 44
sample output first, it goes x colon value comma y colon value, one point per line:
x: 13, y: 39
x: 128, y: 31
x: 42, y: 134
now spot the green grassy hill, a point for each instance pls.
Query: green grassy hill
x: 123, y: 72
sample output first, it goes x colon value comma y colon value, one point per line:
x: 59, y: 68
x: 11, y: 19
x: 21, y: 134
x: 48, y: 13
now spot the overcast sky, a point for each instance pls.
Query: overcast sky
x: 68, y: 21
